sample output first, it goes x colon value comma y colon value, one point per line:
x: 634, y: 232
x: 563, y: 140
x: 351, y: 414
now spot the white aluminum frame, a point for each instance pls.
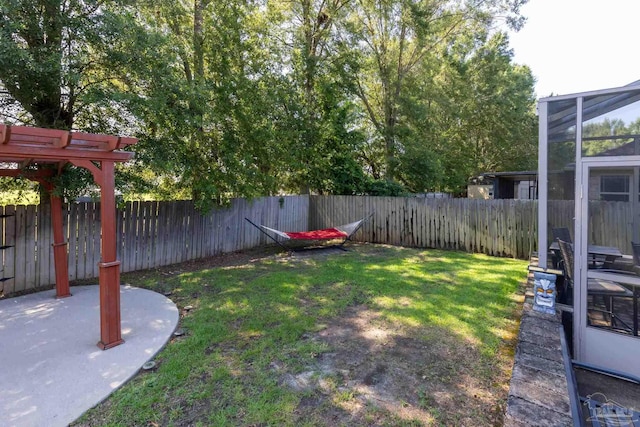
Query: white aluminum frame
x: 583, y: 166
x: 543, y: 184
x: 588, y: 340
x: 611, y: 91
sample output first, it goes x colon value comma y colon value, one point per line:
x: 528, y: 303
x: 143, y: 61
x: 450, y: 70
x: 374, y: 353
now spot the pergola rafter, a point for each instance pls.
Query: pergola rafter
x: 30, y: 147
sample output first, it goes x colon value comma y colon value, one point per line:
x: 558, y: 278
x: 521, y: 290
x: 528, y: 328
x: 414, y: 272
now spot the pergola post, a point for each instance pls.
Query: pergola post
x: 109, y: 266
x: 59, y: 249
x: 110, y: 331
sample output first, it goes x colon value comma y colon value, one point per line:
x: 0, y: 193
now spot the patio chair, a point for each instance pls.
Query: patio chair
x: 606, y: 289
x: 561, y: 233
x: 636, y: 257
x: 626, y: 265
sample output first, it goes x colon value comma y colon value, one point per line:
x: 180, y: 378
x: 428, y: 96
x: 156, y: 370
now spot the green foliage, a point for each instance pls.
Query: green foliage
x: 383, y: 187
x: 72, y: 183
x: 400, y: 45
x: 214, y: 136
x: 251, y: 98
x: 55, y: 51
x: 603, y: 127
x: 345, y: 176
x: 18, y: 192
x: 477, y: 117
x: 499, y: 126
x: 59, y: 59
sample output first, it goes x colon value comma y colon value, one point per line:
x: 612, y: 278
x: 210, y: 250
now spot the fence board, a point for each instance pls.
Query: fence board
x: 86, y: 244
x: 20, y: 248
x: 129, y: 260
x: 91, y: 255
x: 30, y: 247
x: 96, y: 241
x: 175, y: 239
x: 175, y: 232
x: 180, y: 232
x: 147, y: 233
x: 46, y: 232
x: 161, y: 235
x: 156, y: 235
x: 153, y: 218
x: 139, y: 235
x: 85, y: 240
x: 187, y: 252
x: 39, y: 228
x: 189, y: 232
x: 141, y: 243
x: 73, y: 241
x: 119, y: 236
x: 9, y: 254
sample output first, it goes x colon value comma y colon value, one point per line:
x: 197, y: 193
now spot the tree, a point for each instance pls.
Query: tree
x: 57, y: 57
x: 395, y: 37
x: 55, y: 52
x: 320, y: 109
x: 496, y: 128
x: 600, y: 129
x: 209, y: 120
x: 253, y: 98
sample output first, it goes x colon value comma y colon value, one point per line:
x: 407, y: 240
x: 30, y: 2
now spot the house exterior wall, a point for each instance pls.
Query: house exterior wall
x: 524, y: 190
x: 595, y: 180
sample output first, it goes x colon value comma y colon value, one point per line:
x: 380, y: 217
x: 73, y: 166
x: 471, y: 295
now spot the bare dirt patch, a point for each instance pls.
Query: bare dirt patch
x: 377, y: 372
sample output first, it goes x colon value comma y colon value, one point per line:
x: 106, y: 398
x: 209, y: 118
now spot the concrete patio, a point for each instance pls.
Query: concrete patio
x: 51, y: 370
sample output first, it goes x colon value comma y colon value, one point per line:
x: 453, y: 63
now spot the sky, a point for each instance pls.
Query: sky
x: 579, y: 45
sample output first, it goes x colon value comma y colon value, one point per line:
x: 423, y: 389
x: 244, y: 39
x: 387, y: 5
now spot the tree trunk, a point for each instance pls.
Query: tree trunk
x: 198, y: 38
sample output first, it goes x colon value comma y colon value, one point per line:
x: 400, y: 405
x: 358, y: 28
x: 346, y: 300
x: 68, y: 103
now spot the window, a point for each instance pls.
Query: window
x: 614, y: 188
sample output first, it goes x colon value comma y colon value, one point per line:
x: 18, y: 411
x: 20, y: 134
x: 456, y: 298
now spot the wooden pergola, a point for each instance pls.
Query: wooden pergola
x: 24, y: 151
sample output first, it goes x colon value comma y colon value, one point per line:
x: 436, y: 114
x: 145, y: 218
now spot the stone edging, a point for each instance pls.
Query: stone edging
x: 538, y: 394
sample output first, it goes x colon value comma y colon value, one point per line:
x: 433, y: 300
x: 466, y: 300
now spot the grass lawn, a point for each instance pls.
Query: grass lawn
x: 379, y: 335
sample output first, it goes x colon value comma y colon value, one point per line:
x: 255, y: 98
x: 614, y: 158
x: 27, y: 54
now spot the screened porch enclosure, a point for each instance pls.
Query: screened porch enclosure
x: 589, y: 181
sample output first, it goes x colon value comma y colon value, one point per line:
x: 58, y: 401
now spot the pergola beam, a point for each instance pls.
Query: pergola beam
x: 16, y: 152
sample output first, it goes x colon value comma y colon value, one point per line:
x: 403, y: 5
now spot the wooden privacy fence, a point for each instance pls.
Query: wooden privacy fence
x: 494, y: 227
x: 153, y: 234
x: 150, y: 234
